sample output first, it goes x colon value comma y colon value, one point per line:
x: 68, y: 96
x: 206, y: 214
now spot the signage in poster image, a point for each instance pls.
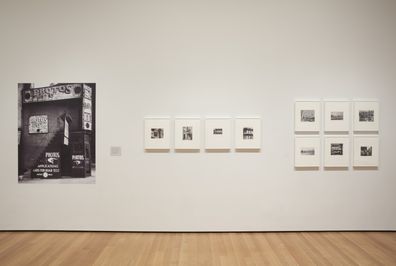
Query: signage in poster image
x: 38, y: 124
x: 49, y: 167
x: 52, y: 93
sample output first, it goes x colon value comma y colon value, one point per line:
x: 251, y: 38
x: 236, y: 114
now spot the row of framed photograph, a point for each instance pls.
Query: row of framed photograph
x: 218, y: 135
x: 337, y: 116
x: 337, y: 151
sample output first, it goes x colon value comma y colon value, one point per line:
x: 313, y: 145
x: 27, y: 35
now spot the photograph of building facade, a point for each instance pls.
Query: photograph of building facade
x: 56, y: 133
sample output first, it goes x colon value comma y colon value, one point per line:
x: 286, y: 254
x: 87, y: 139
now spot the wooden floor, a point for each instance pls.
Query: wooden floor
x: 76, y: 248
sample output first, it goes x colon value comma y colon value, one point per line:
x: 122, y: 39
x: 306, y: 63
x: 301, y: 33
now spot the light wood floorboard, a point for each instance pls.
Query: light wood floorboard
x: 95, y: 248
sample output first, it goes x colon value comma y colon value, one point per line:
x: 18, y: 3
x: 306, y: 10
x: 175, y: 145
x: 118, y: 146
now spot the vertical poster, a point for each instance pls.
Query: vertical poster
x: 56, y: 133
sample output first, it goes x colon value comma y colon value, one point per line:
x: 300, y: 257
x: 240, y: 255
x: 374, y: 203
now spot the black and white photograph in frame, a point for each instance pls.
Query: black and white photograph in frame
x: 56, y: 133
x: 307, y: 116
x: 157, y: 133
x: 366, y: 116
x: 248, y: 133
x: 336, y: 149
x: 366, y: 151
x: 218, y: 133
x: 337, y: 116
x: 306, y: 151
x: 187, y: 133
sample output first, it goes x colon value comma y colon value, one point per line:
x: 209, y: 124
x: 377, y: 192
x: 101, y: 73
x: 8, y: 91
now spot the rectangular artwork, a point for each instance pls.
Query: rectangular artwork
x: 307, y: 116
x: 336, y: 151
x: 337, y: 115
x: 248, y: 133
x: 366, y: 151
x: 217, y: 133
x: 366, y: 116
x: 56, y: 129
x: 307, y: 151
x: 187, y: 133
x: 157, y: 133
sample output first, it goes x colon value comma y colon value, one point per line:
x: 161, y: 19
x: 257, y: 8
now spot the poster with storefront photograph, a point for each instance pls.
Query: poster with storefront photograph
x: 56, y: 133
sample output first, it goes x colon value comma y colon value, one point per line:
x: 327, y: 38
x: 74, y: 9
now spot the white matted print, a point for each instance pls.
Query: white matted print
x: 366, y: 151
x: 248, y: 133
x: 307, y: 116
x: 337, y: 115
x: 187, y: 133
x: 217, y: 133
x: 307, y: 152
x: 366, y: 116
x: 157, y: 133
x: 336, y: 151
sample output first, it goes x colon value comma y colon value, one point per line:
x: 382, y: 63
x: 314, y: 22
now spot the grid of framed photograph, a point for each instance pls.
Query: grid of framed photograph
x: 218, y: 133
x: 248, y: 133
x: 157, y: 133
x: 307, y: 151
x: 187, y: 133
x: 340, y: 116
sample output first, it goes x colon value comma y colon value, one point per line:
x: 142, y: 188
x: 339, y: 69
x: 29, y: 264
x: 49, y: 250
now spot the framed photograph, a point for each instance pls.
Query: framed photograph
x: 307, y: 116
x: 366, y: 116
x: 366, y: 151
x: 217, y: 133
x: 337, y: 115
x: 187, y: 133
x: 248, y: 133
x: 307, y: 151
x: 336, y: 151
x: 157, y: 133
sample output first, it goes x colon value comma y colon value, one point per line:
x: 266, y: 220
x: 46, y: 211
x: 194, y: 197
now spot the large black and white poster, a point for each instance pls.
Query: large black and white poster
x: 56, y: 133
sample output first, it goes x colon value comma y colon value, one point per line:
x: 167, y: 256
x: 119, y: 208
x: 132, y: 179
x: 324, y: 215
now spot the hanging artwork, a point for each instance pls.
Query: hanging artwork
x: 307, y: 151
x: 217, y: 133
x: 248, y: 133
x: 366, y: 151
x: 336, y: 151
x: 157, y: 133
x: 187, y: 133
x: 307, y: 116
x: 337, y: 116
x: 366, y: 116
x: 56, y: 123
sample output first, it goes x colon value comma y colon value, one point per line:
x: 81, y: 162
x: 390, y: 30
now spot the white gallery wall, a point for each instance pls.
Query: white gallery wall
x: 202, y: 58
